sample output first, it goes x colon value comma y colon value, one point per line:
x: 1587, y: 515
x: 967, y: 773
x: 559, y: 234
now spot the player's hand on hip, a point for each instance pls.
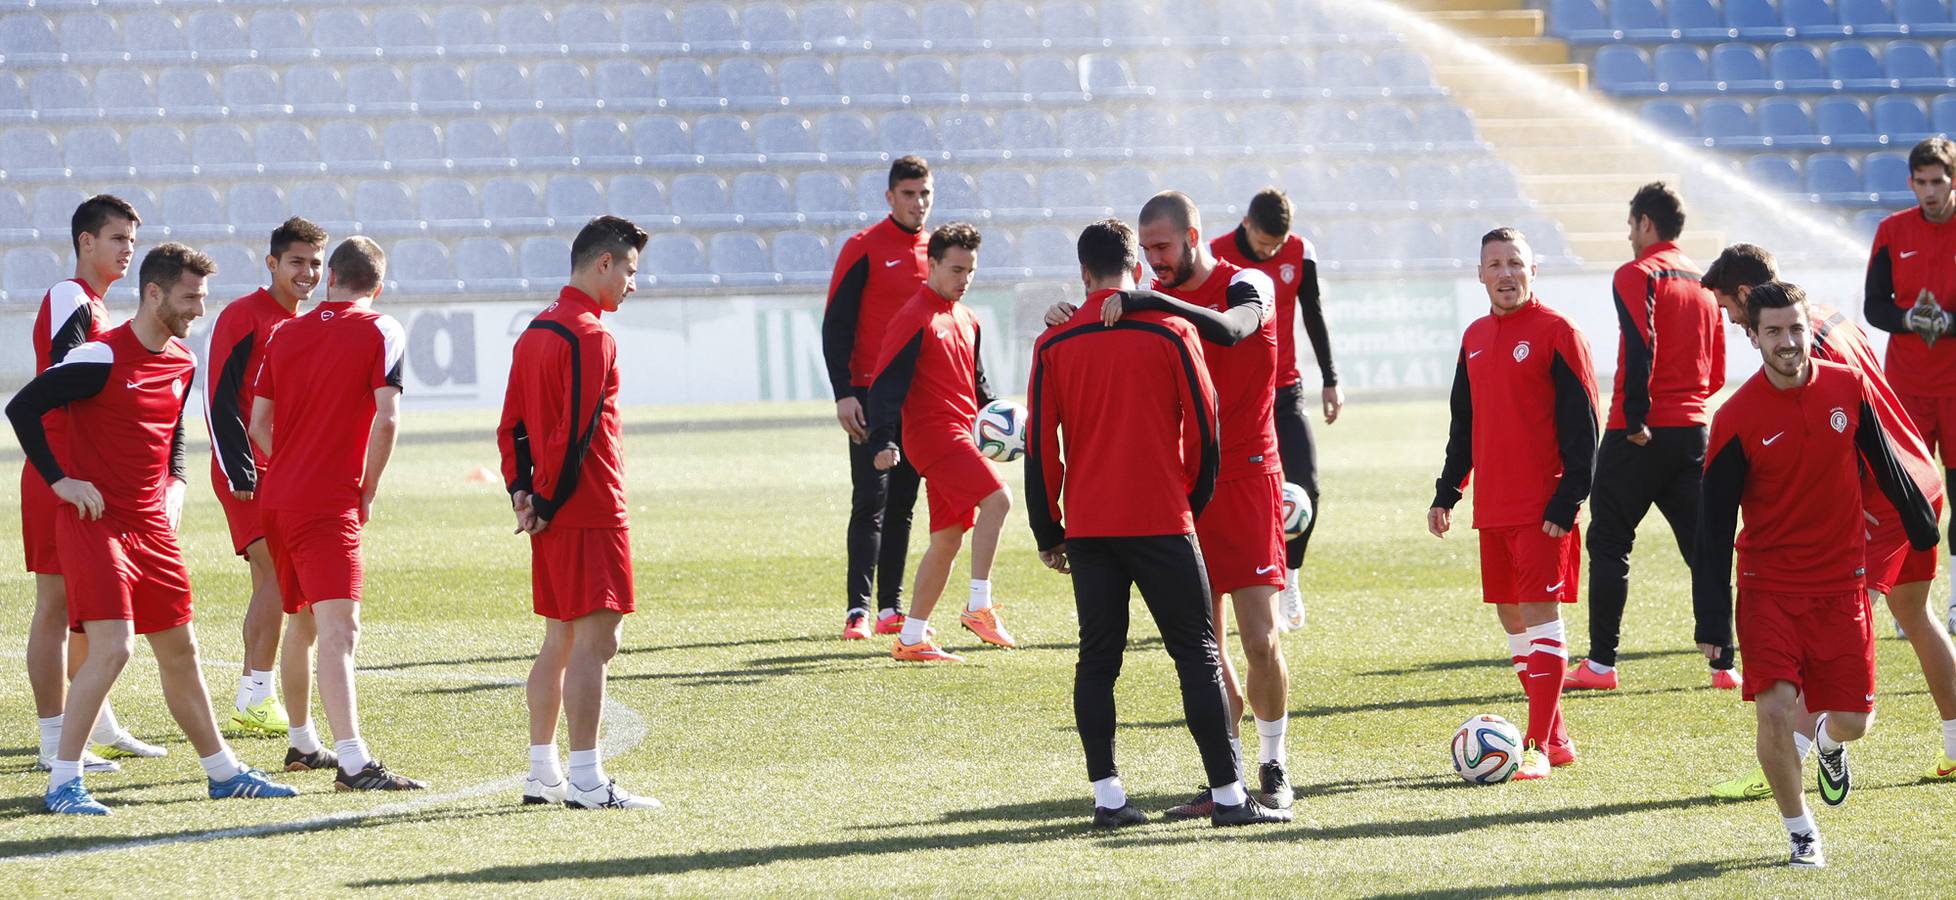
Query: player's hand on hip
x: 243, y: 495
x: 1111, y: 309
x: 1056, y: 560
x: 82, y: 494
x: 849, y: 412
x: 1059, y: 313
x: 1334, y: 403
x: 1439, y: 521
x: 1640, y: 437
x: 888, y: 459
x: 1553, y: 530
x: 173, y: 491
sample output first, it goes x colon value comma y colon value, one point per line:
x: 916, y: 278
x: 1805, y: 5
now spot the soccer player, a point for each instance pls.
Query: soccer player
x: 1115, y: 507
x: 562, y: 448
x: 877, y: 271
x: 1788, y: 448
x: 1670, y: 360
x: 329, y: 392
x: 1894, y: 568
x: 1911, y: 288
x: 103, y: 231
x: 1524, y: 422
x: 120, y: 484
x: 930, y: 383
x: 295, y: 258
x: 1264, y: 241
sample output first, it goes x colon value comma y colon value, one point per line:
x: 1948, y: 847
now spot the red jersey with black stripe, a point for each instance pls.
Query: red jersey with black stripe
x: 876, y: 272
x: 321, y: 370
x: 1244, y: 375
x: 1910, y: 255
x: 124, y: 404
x: 930, y: 379
x: 1122, y: 438
x: 70, y: 315
x: 1524, y: 419
x: 1670, y: 355
x: 1293, y: 269
x: 237, y: 349
x: 561, y: 437
x: 1837, y: 339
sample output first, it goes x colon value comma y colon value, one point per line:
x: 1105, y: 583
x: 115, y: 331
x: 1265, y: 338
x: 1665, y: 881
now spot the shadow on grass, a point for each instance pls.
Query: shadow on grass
x: 629, y: 650
x: 1455, y: 665
x: 1057, y: 812
x: 1391, y: 782
x: 1678, y: 874
x: 1443, y: 827
x: 56, y: 845
x: 1315, y: 712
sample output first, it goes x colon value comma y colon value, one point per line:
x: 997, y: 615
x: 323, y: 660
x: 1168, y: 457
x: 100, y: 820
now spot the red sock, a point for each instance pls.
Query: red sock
x: 1543, y: 684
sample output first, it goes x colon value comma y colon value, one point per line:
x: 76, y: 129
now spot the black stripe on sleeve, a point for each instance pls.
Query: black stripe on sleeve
x: 1918, y: 516
x: 887, y: 393
x: 1718, y: 524
x: 57, y: 387
x: 519, y: 440
x: 1637, y: 354
x: 1310, y: 304
x: 229, y: 443
x: 981, y: 386
x: 1879, y: 295
x: 73, y: 333
x: 179, y: 452
x: 580, y: 443
x: 839, y: 325
x: 1460, y: 440
x: 1575, y: 436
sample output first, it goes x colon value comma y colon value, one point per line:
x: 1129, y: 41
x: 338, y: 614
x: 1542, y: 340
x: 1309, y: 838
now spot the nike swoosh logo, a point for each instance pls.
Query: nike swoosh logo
x: 891, y: 263
x: 1539, y: 674
x: 1474, y: 354
x: 1557, y: 586
x: 1908, y: 253
x: 1265, y: 570
x: 1945, y: 773
x: 1769, y: 441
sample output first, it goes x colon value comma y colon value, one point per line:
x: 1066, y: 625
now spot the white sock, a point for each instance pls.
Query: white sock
x: 1949, y: 738
x: 222, y: 765
x: 261, y: 686
x: 107, y: 729
x: 1822, y: 739
x: 1236, y: 747
x: 1230, y: 794
x: 304, y: 738
x: 1548, y: 637
x: 245, y: 688
x: 50, y: 736
x: 981, y: 595
x: 1518, y: 649
x: 913, y: 632
x: 888, y: 614
x: 544, y: 766
x: 1598, y: 668
x: 1800, y: 824
x: 1271, y: 736
x: 1109, y: 794
x: 353, y: 755
x: 1803, y: 744
x: 1290, y: 579
x: 62, y: 771
x: 587, y: 770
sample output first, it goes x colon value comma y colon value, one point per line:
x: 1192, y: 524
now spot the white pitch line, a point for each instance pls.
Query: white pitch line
x: 624, y: 732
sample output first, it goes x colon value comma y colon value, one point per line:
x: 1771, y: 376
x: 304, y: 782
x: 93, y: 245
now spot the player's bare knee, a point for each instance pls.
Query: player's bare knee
x: 1848, y: 726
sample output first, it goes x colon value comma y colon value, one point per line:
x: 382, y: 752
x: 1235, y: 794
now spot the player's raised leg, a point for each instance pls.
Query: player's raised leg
x: 981, y: 615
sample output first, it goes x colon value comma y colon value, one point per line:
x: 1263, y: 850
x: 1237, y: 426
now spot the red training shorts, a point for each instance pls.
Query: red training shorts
x: 317, y: 556
x: 1520, y: 564
x: 1935, y: 417
x: 1822, y: 644
x: 247, y: 523
x: 955, y: 484
x: 135, y: 576
x: 1890, y: 560
x: 1241, y: 534
x: 578, y: 571
x: 37, y: 507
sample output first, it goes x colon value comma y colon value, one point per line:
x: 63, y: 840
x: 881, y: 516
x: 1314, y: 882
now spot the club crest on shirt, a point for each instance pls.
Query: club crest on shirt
x: 1521, y: 351
x: 176, y: 389
x: 1287, y: 272
x: 1838, y: 419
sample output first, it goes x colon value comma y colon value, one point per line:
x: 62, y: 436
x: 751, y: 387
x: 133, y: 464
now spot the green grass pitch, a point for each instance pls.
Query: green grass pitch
x: 793, y: 764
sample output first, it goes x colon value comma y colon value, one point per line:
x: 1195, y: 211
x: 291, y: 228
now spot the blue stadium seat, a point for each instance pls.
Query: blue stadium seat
x: 1051, y: 79
x: 450, y: 206
x: 954, y: 197
x: 222, y: 150
x: 477, y: 145
x: 30, y: 272
x: 1130, y: 24
x: 1272, y: 129
x: 1495, y: 183
x: 1071, y: 193
x: 120, y: 93
x: 1866, y: 221
x: 1696, y: 20
x: 762, y: 197
x: 969, y: 136
x: 15, y: 107
x: 1011, y: 195
x: 699, y: 199
x: 30, y: 154
x: 1673, y: 117
x: 999, y: 258
x: 420, y: 266
x: 748, y: 83
x: 154, y: 37
x: 1846, y: 120
x: 1579, y: 22
x: 240, y: 269
x: 1330, y: 126
x: 27, y: 39
x: 1009, y: 25
x: 889, y: 25
x: 1833, y: 178
x: 1787, y: 123
x: 1348, y: 72
x: 1417, y: 244
x: 218, y: 37
x: 324, y: 203
x: 1150, y: 131
x: 1108, y: 75
x: 348, y: 146
x: 573, y: 200
x: 1900, y: 120
x: 1912, y: 66
x: 665, y: 142
x: 685, y: 84
x: 1942, y: 113
x: 1547, y: 236
x: 439, y: 88
x: 539, y: 143
x: 488, y: 265
x: 1071, y: 25
x: 1049, y: 252
x: 280, y: 36
x: 869, y: 81
x: 545, y: 261
x: 412, y: 145
x: 1755, y: 20
x: 1799, y: 67
x: 1925, y: 18
x: 528, y: 31
x: 1868, y: 18
x: 155, y: 151
x: 825, y: 198
x: 1202, y: 185
x: 904, y: 132
x: 514, y: 205
x: 340, y: 33
x: 1092, y: 134
x: 601, y: 143
x: 1448, y: 126
x: 95, y: 152
x: 54, y: 210
x: 1640, y: 20
x: 1241, y: 182
x: 725, y: 140
x: 405, y: 33
x: 1812, y: 18
x: 1438, y: 188
x: 1775, y: 172
x: 188, y: 93
x: 803, y: 257
x: 949, y: 25
x: 1211, y: 129
x: 1741, y: 68
x: 1374, y: 186
x: 1030, y: 134
x: 786, y: 139
x: 989, y: 78
x: 315, y: 90
x: 807, y: 81
x: 386, y: 208
x: 1169, y: 73
x: 711, y: 28
x: 253, y: 91
x: 91, y: 39
x: 563, y: 86
x: 1287, y: 75
x: 928, y: 80
x: 1405, y: 72
x: 1391, y: 124
x: 649, y: 29
x: 378, y: 89
x: 676, y: 260
x: 1683, y: 69
x: 1855, y: 67
x: 1624, y: 70
x: 829, y: 27
x: 740, y: 260
x: 1886, y: 175
x: 193, y: 212
x: 626, y: 85
x: 16, y: 226
x: 1228, y: 75
x: 771, y: 28
x: 287, y: 148
x: 499, y: 86
x: 589, y: 31
x: 640, y: 198
x: 466, y: 32
x: 62, y: 96
x: 1727, y: 122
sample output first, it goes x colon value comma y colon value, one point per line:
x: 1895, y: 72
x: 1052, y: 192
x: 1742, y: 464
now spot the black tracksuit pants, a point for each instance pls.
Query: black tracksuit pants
x: 1299, y: 452
x: 880, y: 508
x: 1168, y: 569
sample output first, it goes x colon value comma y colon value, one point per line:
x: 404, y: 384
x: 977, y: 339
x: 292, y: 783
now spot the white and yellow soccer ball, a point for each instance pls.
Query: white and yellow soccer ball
x: 1000, y: 430
x: 1296, y: 510
x: 1486, y: 750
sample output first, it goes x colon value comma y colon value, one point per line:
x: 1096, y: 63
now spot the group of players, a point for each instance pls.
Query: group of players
x: 101, y: 425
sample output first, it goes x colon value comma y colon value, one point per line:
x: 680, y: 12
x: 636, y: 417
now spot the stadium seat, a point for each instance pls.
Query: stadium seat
x: 1728, y: 122
x: 344, y: 34
x: 803, y: 257
x: 1775, y: 172
x: 678, y: 261
x: 1092, y: 134
x: 1925, y: 18
x: 685, y: 84
x: 1866, y: 221
x: 999, y: 258
x: 949, y: 25
x: 573, y: 200
x: 1798, y: 68
x: 1011, y: 196
x: 1272, y: 129
x: 1833, y: 178
x: 95, y: 152
x: 1390, y: 124
x: 711, y: 28
x: 439, y: 88
x: 1051, y: 79
x: 349, y: 147
x: 905, y: 132
x: 969, y: 136
x: 502, y: 87
x: 287, y: 148
x: 1942, y: 113
x: 1437, y: 188
x: 1675, y: 118
x: 240, y: 269
x: 1071, y: 25
x: 889, y: 25
x: 1911, y: 65
x: 725, y: 140
x: 763, y: 199
x: 740, y: 260
x: 1405, y: 72
x: 1886, y: 175
x: 786, y: 139
x: 218, y: 37
x: 954, y: 197
x: 1287, y: 75
x: 1242, y: 182
x: 1009, y: 25
x: 868, y: 81
x: 748, y: 83
x: 1855, y: 67
x: 378, y: 89
x: 1167, y: 72
x: 1347, y: 72
x: 466, y: 32
x: 1129, y: 24
x: 30, y: 272
x: 1071, y: 193
x: 1683, y: 69
x: 450, y: 206
x: 1787, y: 123
x: 527, y: 31
x: 663, y: 141
x: 546, y: 261
x: 155, y: 151
x: 1869, y: 18
x: 315, y: 90
x: 54, y: 210
x: 1228, y: 75
x: 640, y: 198
x: 193, y: 212
x: 15, y: 107
x: 513, y: 205
x: 771, y: 28
x: 30, y: 154
x: 563, y: 86
x: 1447, y: 126
x: 928, y: 80
x: 807, y: 81
x: 1741, y: 68
x: 1901, y: 121
x: 626, y: 85
x: 222, y: 150
x: 1201, y: 183
x: 1624, y: 70
x: 411, y: 145
x: 386, y: 208
x: 1640, y: 20
x: 538, y: 143
x: 649, y: 29
x: 477, y: 145
x: 488, y: 266
x: 324, y: 203
x: 601, y: 143
x: 825, y: 198
x: 1755, y: 20
x: 154, y: 37
x: 405, y: 33
x: 280, y: 36
x: 829, y: 27
x: 119, y: 93
x: 27, y: 39
x: 1212, y: 130
x: 990, y: 79
x: 16, y: 226
x: 588, y: 31
x: 1030, y: 134
x: 1108, y: 75
x: 1048, y: 252
x: 1330, y: 125
x: 1579, y: 22
x: 62, y: 96
x: 1148, y: 131
x: 1846, y: 121
x: 1415, y: 244
x: 253, y: 92
x: 420, y: 266
x: 699, y: 199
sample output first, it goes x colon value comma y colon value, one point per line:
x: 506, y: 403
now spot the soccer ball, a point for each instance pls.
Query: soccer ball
x: 1000, y: 430
x: 1486, y: 750
x: 1297, y: 511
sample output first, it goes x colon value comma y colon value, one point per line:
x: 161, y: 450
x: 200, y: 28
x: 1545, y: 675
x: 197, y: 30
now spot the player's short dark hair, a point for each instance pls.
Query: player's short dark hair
x: 166, y: 262
x: 1107, y: 249
x: 1507, y: 233
x: 297, y: 230
x: 1773, y: 294
x: 1270, y: 212
x: 905, y: 168
x: 1177, y: 206
x: 1661, y: 203
x: 358, y: 264
x: 955, y: 234
x: 1935, y: 151
x: 1740, y: 265
x: 606, y: 234
x: 96, y: 212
